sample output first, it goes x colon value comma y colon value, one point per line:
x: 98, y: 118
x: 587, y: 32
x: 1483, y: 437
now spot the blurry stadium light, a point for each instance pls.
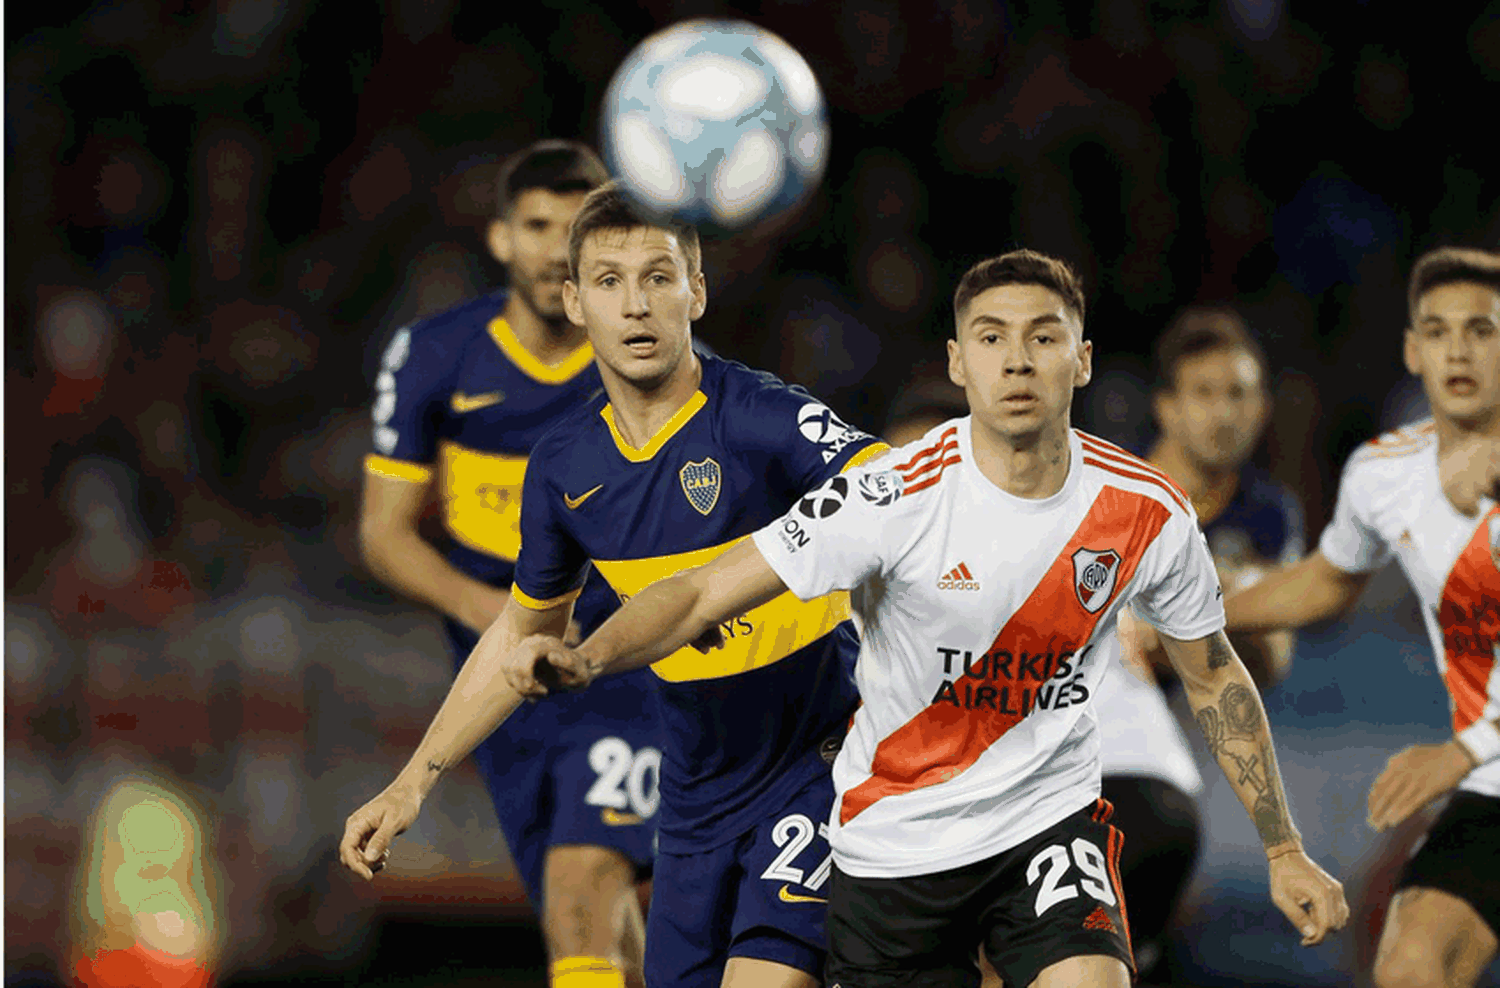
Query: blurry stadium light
x: 144, y: 912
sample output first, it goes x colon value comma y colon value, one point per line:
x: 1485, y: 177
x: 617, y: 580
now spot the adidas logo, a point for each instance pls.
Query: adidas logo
x: 1099, y: 920
x: 958, y: 578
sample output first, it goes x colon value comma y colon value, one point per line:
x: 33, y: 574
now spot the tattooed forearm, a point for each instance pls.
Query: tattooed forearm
x: 1219, y: 652
x: 1235, y: 729
x: 436, y: 767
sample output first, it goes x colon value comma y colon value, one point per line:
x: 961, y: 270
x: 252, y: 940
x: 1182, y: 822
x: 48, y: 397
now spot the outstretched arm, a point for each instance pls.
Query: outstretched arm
x: 478, y: 702
x: 1304, y: 593
x: 1229, y: 712
x: 653, y: 624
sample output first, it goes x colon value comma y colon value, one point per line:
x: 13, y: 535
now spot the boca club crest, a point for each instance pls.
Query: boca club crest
x: 701, y: 482
x: 1094, y: 573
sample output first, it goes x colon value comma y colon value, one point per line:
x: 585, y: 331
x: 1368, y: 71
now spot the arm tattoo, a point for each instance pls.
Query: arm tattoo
x: 1219, y: 652
x: 436, y: 768
x: 1236, y: 733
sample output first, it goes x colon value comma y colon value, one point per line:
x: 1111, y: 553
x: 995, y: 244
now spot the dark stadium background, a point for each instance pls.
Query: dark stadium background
x: 216, y: 211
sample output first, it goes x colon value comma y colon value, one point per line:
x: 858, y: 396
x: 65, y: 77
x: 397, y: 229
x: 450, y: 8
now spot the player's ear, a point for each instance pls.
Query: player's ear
x: 571, y: 304
x: 497, y: 238
x: 1085, y: 372
x: 956, y: 364
x: 699, y: 288
x: 1409, y: 351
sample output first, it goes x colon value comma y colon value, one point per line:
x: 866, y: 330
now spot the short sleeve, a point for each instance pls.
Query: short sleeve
x: 551, y: 567
x: 1351, y: 542
x: 830, y: 539
x: 1182, y: 597
x: 417, y: 374
x: 811, y: 443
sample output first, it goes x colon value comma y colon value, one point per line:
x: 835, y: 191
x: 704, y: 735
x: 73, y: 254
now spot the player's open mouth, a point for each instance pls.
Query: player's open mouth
x: 641, y: 343
x: 1461, y: 385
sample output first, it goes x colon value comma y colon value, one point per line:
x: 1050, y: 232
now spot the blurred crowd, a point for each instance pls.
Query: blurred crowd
x: 217, y: 213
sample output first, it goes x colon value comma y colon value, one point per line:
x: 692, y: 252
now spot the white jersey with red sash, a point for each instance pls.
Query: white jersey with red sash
x: 1391, y: 501
x: 986, y: 621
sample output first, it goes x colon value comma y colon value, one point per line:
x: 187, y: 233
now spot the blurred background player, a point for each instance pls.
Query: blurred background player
x: 1426, y: 494
x: 682, y: 457
x: 461, y: 398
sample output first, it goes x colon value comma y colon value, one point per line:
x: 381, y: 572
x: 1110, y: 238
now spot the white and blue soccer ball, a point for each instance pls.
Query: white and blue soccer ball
x: 717, y: 123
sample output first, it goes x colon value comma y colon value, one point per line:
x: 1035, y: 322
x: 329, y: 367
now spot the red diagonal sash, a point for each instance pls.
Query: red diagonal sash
x: 945, y: 739
x: 1469, y: 614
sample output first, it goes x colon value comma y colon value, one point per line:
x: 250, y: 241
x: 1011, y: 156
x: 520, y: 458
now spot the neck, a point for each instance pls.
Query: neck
x: 1451, y: 431
x: 641, y: 411
x: 1209, y: 488
x: 547, y: 340
x: 1032, y: 467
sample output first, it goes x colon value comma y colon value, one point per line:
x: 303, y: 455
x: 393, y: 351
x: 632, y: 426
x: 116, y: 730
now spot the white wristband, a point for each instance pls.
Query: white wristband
x: 1482, y: 741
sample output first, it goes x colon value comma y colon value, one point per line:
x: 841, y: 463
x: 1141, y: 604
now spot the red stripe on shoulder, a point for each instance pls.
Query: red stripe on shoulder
x: 933, y: 478
x: 943, y: 440
x: 930, y: 463
x: 1136, y: 475
x: 1127, y: 459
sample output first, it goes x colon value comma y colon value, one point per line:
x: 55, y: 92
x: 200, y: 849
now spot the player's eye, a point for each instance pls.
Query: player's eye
x: 1043, y: 338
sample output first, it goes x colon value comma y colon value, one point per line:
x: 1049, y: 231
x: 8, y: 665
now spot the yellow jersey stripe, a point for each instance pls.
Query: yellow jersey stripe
x: 481, y: 497
x: 674, y: 425
x: 760, y: 637
x: 384, y: 466
x: 533, y: 604
x: 870, y: 452
x: 559, y: 373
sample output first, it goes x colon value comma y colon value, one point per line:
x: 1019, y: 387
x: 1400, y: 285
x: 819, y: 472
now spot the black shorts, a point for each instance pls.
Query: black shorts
x: 1056, y: 896
x: 1461, y: 855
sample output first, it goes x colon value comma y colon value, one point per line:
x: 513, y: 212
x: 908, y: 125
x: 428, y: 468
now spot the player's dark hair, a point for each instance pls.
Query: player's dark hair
x: 1020, y: 267
x: 557, y: 166
x: 1447, y: 265
x: 607, y: 208
x: 1200, y: 329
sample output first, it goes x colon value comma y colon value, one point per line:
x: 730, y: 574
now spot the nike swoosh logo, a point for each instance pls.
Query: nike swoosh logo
x: 614, y: 818
x: 574, y: 502
x: 472, y: 403
x: 787, y: 895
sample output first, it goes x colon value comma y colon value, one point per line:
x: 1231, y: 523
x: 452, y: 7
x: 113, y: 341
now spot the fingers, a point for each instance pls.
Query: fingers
x: 1313, y: 900
x: 1394, y: 797
x: 354, y: 843
x: 708, y: 641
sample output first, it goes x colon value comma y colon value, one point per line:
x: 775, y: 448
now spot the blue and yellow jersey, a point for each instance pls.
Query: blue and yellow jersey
x: 743, y: 723
x: 460, y: 402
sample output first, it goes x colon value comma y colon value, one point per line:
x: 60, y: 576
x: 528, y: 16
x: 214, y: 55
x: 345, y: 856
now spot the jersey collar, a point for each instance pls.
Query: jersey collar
x: 559, y: 373
x: 653, y: 445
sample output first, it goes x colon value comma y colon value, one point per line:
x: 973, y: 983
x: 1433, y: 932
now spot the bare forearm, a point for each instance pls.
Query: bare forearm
x: 1229, y: 712
x: 652, y: 625
x: 478, y: 702
x: 1312, y: 590
x: 408, y: 564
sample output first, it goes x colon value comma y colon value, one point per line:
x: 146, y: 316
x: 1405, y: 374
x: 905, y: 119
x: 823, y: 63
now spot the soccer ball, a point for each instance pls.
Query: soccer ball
x: 715, y: 123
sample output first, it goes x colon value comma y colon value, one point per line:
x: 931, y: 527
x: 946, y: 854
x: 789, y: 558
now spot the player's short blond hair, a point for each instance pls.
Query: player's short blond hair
x: 1447, y: 265
x: 607, y: 208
